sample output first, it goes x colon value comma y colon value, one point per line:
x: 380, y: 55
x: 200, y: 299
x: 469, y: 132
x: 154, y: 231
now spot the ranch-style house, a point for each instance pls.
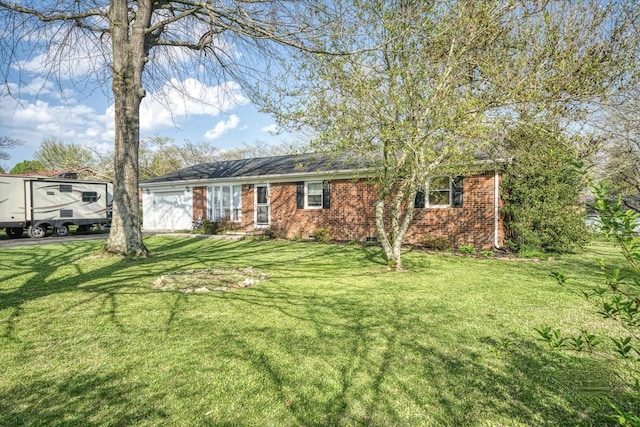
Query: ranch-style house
x: 300, y: 193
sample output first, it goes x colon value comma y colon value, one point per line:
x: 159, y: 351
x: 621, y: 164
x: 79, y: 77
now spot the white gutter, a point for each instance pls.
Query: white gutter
x: 496, y: 210
x: 339, y: 174
x: 291, y: 177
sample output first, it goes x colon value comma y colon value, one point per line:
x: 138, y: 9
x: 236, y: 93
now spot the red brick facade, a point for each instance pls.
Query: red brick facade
x: 199, y: 202
x: 472, y: 224
x: 351, y: 216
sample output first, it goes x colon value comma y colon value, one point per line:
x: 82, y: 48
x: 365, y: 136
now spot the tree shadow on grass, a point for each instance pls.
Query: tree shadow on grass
x: 338, y: 358
x: 38, y: 272
x: 80, y: 399
x: 57, y: 269
x: 39, y: 268
x: 382, y: 369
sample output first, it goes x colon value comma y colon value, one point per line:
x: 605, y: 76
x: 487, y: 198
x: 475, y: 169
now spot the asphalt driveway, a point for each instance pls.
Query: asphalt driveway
x: 6, y: 242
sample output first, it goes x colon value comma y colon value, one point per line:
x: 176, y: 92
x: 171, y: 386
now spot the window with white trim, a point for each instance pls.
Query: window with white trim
x: 226, y: 203
x: 441, y: 191
x: 438, y: 191
x: 313, y: 195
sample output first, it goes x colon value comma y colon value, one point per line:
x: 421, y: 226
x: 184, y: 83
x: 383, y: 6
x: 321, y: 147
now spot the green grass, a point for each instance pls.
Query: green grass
x: 330, y: 339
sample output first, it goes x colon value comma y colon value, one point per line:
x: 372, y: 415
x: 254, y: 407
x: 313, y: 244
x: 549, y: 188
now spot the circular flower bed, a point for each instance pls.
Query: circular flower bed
x: 210, y: 279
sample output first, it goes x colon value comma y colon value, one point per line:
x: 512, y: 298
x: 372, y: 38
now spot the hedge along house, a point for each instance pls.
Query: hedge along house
x: 301, y: 193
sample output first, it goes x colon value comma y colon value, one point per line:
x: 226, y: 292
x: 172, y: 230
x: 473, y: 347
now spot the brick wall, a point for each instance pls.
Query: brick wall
x: 472, y: 224
x: 351, y: 216
x: 199, y: 202
x: 352, y: 213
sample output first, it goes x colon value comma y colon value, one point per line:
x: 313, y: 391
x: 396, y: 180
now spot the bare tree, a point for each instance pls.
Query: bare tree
x: 137, y: 45
x: 446, y: 77
x: 8, y: 142
x: 621, y: 154
x: 194, y: 153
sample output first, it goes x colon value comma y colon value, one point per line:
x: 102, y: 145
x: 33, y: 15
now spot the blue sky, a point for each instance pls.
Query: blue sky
x: 33, y: 107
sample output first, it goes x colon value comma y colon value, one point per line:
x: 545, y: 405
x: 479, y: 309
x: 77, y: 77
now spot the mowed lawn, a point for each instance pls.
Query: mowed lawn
x: 331, y: 338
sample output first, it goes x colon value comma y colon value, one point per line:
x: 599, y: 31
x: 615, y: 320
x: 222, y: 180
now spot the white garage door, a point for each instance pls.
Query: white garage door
x: 167, y: 210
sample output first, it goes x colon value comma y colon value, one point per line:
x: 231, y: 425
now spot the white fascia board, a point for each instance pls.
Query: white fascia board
x: 302, y: 176
x: 338, y: 174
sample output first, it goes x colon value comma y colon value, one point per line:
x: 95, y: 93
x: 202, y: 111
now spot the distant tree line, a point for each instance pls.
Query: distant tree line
x: 158, y: 155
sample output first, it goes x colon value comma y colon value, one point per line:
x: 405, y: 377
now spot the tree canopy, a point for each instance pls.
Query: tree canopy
x: 620, y: 162
x: 56, y: 154
x: 27, y: 166
x: 433, y: 83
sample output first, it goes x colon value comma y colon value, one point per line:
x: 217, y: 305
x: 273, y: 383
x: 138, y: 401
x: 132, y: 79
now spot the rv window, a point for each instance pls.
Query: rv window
x: 89, y: 196
x: 66, y: 188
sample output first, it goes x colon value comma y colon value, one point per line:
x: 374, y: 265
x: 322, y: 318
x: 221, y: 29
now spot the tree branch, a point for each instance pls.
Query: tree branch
x: 56, y: 16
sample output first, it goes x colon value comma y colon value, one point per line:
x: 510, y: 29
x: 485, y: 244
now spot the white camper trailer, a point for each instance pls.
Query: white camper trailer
x: 37, y: 204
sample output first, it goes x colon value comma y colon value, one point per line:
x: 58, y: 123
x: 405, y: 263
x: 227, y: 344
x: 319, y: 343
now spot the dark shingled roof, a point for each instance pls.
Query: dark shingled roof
x: 258, y: 167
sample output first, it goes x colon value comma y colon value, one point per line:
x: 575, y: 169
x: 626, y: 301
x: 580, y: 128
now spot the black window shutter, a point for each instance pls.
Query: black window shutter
x: 419, y: 202
x: 456, y: 196
x: 326, y: 195
x: 300, y: 195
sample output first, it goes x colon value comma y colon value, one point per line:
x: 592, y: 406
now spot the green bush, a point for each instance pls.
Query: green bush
x: 321, y: 235
x: 542, y: 188
x: 467, y: 249
x: 209, y: 227
x: 218, y: 227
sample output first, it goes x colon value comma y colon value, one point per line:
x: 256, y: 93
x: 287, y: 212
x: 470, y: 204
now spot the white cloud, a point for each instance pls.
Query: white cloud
x: 272, y: 129
x: 222, y: 127
x: 33, y: 120
x: 65, y: 52
x: 68, y: 63
x: 178, y: 101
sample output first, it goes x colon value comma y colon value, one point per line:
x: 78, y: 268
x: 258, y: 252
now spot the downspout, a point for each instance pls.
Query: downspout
x: 496, y: 210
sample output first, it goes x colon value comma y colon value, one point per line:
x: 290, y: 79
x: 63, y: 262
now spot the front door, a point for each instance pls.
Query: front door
x: 262, y: 205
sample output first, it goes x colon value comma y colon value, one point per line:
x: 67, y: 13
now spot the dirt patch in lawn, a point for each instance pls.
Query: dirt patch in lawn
x: 210, y: 280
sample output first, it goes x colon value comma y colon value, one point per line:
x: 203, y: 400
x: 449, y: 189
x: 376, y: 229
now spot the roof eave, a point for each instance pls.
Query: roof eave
x: 286, y: 177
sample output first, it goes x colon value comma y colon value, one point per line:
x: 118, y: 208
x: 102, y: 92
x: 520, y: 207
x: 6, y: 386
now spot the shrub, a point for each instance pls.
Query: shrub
x: 209, y: 227
x: 542, y: 189
x: 276, y: 231
x: 321, y: 235
x: 436, y: 243
x: 220, y: 226
x: 467, y: 249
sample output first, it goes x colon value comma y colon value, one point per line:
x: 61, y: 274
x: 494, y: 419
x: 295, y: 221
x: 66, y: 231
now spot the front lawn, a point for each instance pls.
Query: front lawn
x: 326, y: 337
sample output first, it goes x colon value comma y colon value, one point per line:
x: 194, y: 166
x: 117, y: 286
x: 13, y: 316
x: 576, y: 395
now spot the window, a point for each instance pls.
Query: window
x: 441, y: 191
x: 438, y: 191
x: 262, y: 205
x: 313, y: 195
x: 226, y: 202
x: 66, y: 188
x: 89, y: 196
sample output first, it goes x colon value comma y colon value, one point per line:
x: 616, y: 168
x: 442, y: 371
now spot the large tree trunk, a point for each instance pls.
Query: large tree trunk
x: 399, y: 220
x: 129, y: 58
